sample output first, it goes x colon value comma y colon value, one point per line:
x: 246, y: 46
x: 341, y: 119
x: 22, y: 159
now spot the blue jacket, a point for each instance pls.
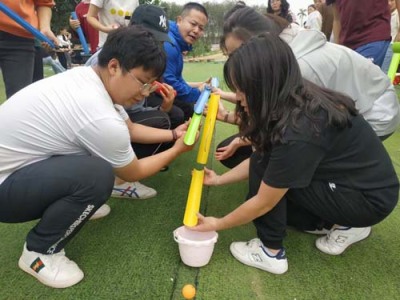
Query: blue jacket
x: 173, y: 72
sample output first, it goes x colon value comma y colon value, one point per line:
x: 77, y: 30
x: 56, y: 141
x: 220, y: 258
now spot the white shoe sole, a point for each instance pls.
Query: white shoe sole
x: 363, y: 235
x: 57, y: 285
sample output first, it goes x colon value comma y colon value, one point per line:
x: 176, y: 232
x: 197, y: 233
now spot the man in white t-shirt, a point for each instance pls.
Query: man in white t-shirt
x: 62, y: 140
x: 107, y: 15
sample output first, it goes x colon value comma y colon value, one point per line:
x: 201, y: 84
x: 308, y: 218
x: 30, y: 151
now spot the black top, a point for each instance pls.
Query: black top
x: 352, y: 157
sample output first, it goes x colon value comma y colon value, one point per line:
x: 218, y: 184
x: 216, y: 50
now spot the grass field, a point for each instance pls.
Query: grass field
x: 131, y: 253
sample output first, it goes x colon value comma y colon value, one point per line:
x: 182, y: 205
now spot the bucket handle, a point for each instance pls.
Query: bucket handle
x: 186, y: 242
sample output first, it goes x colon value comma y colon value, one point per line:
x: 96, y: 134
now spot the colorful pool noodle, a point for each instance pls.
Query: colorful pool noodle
x: 81, y: 35
x: 193, y: 201
x: 209, y: 124
x: 190, y: 135
x: 36, y: 33
x: 394, y: 64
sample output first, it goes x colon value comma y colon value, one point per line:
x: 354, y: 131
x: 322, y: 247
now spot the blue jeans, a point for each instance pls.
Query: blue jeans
x: 375, y: 51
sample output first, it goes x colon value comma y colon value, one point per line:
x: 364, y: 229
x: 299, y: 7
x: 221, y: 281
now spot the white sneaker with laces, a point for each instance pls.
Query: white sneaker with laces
x: 133, y: 190
x: 101, y: 212
x: 54, y: 270
x: 339, y: 239
x: 251, y: 253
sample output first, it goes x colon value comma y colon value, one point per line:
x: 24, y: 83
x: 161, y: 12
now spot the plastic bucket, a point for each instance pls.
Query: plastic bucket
x: 195, y: 248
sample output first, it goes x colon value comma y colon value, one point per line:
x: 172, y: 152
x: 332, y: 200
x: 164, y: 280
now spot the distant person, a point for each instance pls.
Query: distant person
x: 314, y: 20
x: 186, y: 31
x: 17, y: 52
x: 91, y: 34
x: 313, y: 152
x: 327, y: 18
x: 62, y: 141
x: 281, y: 8
x: 363, y: 27
x: 107, y: 15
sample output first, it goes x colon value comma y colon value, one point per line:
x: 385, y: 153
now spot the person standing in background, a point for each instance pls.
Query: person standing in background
x: 314, y: 20
x: 281, y: 8
x: 107, y: 15
x: 327, y: 18
x: 364, y: 27
x: 17, y: 44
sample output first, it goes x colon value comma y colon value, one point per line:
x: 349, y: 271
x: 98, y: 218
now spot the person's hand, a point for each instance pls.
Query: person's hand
x: 47, y: 32
x: 74, y: 24
x: 111, y: 27
x: 181, y: 129
x: 168, y: 94
x: 203, y: 85
x: 222, y: 111
x: 216, y: 90
x: 210, y: 177
x: 227, y: 151
x: 205, y: 224
x: 179, y: 145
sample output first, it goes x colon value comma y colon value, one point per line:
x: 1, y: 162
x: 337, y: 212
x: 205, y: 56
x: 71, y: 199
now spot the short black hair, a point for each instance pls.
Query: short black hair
x: 133, y: 47
x: 193, y: 5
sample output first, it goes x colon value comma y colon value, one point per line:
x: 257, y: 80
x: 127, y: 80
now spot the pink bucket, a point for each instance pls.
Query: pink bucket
x: 195, y: 248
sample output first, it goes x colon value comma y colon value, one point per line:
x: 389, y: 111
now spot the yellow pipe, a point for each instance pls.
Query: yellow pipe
x: 194, y: 198
x: 209, y: 124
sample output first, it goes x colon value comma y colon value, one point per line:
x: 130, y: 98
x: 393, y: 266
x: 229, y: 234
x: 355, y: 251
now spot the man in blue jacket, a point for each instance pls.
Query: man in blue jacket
x: 187, y: 30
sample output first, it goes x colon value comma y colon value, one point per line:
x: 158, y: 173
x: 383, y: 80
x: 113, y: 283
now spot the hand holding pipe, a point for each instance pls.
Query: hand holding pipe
x: 394, y: 64
x: 81, y: 35
x: 28, y: 27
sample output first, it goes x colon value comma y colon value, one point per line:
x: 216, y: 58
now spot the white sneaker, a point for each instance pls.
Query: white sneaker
x: 101, y: 212
x: 54, y: 270
x: 133, y: 190
x: 340, y: 238
x: 252, y: 254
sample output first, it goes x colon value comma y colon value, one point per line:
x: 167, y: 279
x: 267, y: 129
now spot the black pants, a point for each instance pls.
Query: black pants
x: 240, y: 154
x: 16, y: 62
x: 151, y: 118
x: 316, y: 206
x: 62, y: 191
x: 180, y: 112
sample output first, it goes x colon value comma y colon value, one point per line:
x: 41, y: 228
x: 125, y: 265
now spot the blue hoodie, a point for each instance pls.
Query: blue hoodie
x: 173, y: 72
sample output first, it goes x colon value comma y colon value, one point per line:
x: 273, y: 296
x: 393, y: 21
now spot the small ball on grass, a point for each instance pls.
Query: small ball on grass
x: 188, y: 291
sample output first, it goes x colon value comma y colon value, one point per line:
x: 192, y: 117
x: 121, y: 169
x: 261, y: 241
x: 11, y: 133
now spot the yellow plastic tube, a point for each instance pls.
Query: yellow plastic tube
x: 194, y: 198
x: 394, y: 63
x: 209, y: 124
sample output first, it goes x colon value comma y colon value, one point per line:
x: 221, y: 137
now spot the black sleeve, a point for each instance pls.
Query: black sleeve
x: 293, y: 165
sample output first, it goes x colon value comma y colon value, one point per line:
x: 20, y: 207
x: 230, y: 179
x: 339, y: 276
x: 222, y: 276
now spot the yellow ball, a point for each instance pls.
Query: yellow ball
x: 189, y: 291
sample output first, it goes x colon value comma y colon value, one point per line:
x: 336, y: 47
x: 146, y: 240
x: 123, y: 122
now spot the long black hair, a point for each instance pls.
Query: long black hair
x: 266, y: 71
x: 284, y: 12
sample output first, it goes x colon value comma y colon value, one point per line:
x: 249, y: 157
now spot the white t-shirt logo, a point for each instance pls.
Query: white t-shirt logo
x: 163, y: 22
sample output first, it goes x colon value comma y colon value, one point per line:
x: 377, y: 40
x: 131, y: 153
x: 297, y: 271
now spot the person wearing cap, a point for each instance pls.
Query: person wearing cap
x: 186, y: 31
x: 165, y: 116
x: 60, y: 148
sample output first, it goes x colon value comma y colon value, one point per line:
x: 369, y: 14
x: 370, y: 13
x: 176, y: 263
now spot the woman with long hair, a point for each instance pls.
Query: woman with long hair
x: 281, y: 8
x: 313, y: 151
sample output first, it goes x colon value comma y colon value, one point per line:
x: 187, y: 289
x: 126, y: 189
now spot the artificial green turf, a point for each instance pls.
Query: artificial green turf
x: 131, y: 254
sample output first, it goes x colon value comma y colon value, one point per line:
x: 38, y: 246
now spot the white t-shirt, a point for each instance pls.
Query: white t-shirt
x: 114, y: 12
x: 67, y: 114
x: 314, y: 21
x: 394, y: 24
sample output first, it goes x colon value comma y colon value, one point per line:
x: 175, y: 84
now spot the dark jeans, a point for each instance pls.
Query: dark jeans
x: 319, y: 205
x: 240, y: 155
x: 17, y: 56
x: 62, y: 191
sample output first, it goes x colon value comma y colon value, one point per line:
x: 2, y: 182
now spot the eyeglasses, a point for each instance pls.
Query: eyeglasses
x: 144, y: 87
